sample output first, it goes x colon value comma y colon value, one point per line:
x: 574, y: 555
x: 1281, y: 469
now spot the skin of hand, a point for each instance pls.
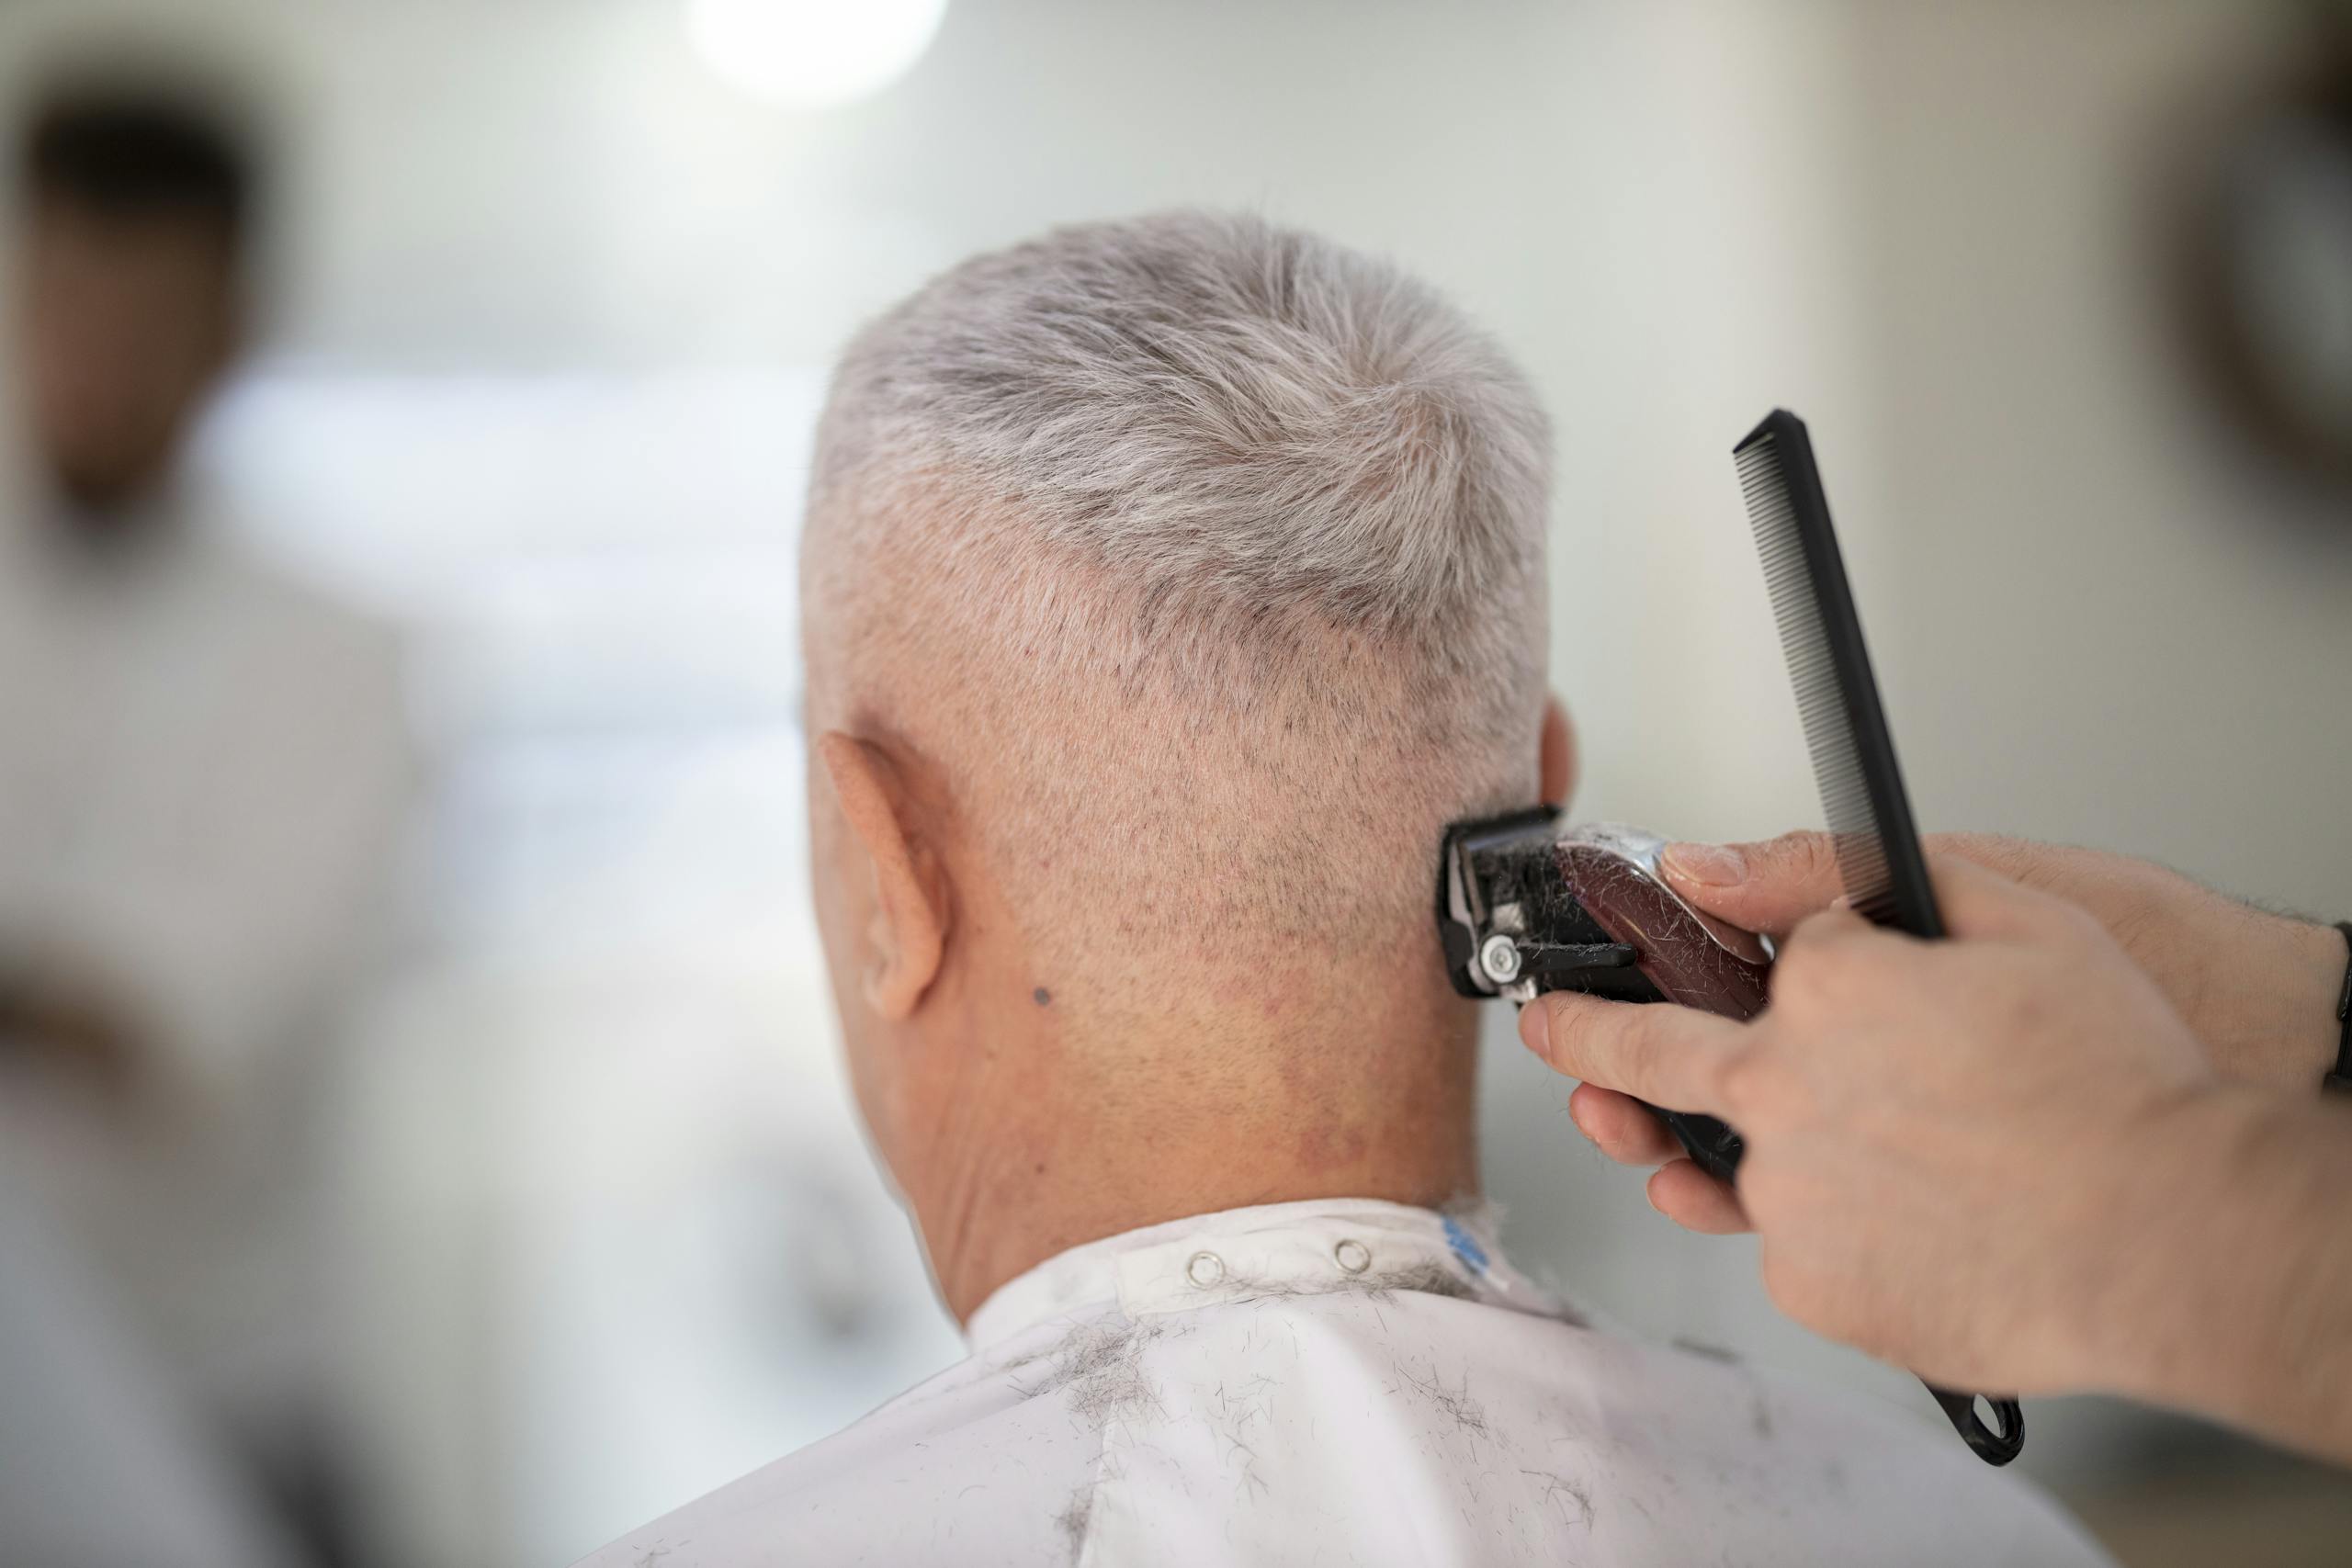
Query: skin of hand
x: 2257, y: 989
x: 2003, y: 1161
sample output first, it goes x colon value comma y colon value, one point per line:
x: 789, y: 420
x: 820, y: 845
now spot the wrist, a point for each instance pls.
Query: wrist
x: 2229, y: 1297
x: 2291, y: 1034
x: 2310, y: 1034
x: 2174, y: 1211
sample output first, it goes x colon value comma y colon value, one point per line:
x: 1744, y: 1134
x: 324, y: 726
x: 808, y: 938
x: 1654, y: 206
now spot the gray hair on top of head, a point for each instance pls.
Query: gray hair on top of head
x: 1211, y: 406
x: 1200, y: 457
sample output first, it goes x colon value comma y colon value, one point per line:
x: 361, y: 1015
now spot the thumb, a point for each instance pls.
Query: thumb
x: 1769, y: 887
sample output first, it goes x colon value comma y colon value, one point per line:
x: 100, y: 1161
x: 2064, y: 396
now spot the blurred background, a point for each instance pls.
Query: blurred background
x: 421, y: 1141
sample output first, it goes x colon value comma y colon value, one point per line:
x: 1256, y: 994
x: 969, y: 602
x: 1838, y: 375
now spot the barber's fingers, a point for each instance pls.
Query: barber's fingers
x: 1979, y: 902
x: 1627, y: 1132
x: 1668, y: 1055
x: 1835, y: 957
x: 1620, y: 1127
x: 1767, y: 886
x: 1697, y: 1201
x: 1773, y: 885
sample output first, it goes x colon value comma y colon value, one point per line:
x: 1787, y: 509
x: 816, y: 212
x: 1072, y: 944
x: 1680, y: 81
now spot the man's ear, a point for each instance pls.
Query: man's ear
x: 1556, y: 767
x: 908, y: 938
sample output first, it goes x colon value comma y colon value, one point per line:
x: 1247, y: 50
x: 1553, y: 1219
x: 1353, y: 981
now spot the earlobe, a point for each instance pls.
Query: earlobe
x: 1556, y: 753
x: 908, y: 938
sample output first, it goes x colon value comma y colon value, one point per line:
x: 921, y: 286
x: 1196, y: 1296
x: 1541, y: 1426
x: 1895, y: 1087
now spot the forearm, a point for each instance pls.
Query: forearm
x: 2233, y: 1289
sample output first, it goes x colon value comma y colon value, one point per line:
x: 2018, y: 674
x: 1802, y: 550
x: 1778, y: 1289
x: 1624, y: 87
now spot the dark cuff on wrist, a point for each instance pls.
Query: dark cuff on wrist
x: 2340, y: 1078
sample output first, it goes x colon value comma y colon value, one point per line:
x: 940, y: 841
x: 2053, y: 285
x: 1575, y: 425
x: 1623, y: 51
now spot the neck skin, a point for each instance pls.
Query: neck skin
x: 1058, y: 1120
x: 1033, y: 1087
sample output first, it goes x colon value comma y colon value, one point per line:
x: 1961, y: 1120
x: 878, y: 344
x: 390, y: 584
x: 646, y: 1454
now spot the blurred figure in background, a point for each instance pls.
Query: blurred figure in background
x: 203, y: 768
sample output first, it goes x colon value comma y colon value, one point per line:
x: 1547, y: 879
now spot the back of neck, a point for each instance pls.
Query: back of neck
x: 1104, y: 1129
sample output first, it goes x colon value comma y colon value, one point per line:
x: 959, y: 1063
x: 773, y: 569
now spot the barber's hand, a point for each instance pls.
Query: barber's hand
x: 1948, y: 1143
x: 2257, y: 989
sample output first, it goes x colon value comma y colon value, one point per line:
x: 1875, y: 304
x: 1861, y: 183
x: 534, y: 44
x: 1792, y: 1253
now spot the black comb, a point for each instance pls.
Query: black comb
x: 1853, y: 754
x: 1845, y: 729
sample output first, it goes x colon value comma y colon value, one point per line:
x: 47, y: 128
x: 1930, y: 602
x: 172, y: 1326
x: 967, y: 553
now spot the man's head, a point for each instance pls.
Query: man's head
x: 1167, y: 585
x: 133, y: 211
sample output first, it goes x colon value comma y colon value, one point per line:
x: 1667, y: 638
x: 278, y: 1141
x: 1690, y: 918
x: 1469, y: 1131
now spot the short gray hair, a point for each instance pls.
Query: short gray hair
x: 1269, y: 499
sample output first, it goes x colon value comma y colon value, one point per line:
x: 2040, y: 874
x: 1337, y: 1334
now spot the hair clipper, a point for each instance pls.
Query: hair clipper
x: 1526, y: 906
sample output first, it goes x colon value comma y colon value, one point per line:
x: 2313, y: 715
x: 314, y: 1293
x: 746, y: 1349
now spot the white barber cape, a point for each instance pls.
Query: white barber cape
x: 1349, y: 1383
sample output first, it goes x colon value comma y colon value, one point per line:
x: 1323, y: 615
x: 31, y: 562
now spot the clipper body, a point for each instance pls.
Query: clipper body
x: 1526, y: 906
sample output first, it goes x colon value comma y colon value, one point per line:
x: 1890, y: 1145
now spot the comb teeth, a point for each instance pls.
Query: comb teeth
x: 1845, y: 803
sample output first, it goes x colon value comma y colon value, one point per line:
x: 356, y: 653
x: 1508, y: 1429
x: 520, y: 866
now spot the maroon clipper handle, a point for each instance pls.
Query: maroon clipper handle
x: 1687, y: 957
x: 1693, y: 960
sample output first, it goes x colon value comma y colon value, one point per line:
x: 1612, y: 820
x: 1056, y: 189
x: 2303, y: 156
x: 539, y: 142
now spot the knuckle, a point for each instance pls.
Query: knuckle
x: 1768, y: 1091
x: 1741, y: 1068
x: 1801, y: 855
x: 1804, y: 973
x: 1824, y: 927
x: 2013, y: 858
x: 1743, y: 1076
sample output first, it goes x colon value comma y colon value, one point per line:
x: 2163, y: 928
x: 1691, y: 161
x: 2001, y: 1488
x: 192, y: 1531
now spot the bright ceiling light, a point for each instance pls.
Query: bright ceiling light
x: 811, y: 53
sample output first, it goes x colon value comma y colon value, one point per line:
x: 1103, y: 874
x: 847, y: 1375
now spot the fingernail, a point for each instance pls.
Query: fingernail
x: 1709, y: 865
x: 1535, y: 1027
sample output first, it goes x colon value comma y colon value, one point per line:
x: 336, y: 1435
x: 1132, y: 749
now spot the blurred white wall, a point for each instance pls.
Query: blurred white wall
x: 2114, y: 625
x: 599, y: 1147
